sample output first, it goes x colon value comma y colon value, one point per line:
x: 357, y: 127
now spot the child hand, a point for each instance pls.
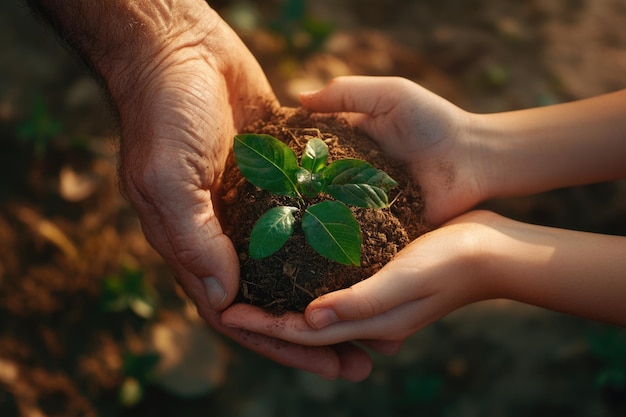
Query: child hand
x: 430, y: 278
x: 415, y: 126
x: 477, y: 256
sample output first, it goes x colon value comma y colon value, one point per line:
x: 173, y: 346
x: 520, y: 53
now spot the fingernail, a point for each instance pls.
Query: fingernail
x: 322, y: 317
x: 215, y: 291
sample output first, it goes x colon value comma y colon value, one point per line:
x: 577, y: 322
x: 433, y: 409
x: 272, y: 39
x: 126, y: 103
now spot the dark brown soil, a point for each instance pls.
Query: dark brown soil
x: 292, y: 277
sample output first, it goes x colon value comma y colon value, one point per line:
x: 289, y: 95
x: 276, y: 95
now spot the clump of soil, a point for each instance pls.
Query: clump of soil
x: 292, y: 277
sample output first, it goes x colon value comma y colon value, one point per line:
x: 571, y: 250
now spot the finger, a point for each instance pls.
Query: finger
x: 396, y: 324
x: 191, y: 240
x: 293, y: 328
x: 255, y: 319
x: 394, y: 285
x: 359, y: 94
x: 382, y: 107
x: 344, y: 360
x: 356, y: 364
x: 324, y: 361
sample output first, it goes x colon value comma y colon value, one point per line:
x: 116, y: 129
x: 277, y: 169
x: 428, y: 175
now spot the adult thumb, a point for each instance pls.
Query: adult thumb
x: 192, y: 242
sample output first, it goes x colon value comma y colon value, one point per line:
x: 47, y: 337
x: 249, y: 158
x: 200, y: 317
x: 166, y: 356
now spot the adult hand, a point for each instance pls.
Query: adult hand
x: 183, y: 84
x: 433, y: 136
x: 177, y: 135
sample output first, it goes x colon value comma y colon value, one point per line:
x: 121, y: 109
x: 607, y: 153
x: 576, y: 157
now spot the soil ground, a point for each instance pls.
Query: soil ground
x: 65, y: 234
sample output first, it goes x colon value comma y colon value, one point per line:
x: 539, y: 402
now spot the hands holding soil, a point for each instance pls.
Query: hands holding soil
x: 461, y: 159
x: 176, y: 136
x: 183, y: 84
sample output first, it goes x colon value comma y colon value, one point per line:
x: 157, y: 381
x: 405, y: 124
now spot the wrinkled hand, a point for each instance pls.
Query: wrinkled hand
x: 177, y: 123
x: 416, y: 126
x: 433, y: 276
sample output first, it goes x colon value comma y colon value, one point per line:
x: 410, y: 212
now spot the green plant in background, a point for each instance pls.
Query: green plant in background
x: 610, y: 348
x: 137, y: 370
x: 301, y: 31
x: 40, y: 129
x: 129, y: 290
x: 422, y: 389
x: 328, y: 226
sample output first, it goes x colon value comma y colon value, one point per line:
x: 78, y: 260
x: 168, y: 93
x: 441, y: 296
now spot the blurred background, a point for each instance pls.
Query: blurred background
x: 92, y: 324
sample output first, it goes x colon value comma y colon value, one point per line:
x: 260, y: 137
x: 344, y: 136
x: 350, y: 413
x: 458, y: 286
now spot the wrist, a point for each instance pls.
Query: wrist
x: 480, y: 259
x: 155, y: 33
x: 491, y: 165
x: 512, y: 256
x: 468, y: 255
x: 538, y: 149
x: 122, y: 41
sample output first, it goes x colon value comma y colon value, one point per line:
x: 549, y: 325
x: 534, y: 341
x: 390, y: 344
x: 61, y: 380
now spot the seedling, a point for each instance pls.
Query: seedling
x: 129, y: 290
x: 328, y: 226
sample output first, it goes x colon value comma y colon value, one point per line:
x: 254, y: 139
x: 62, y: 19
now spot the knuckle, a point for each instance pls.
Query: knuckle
x: 185, y: 255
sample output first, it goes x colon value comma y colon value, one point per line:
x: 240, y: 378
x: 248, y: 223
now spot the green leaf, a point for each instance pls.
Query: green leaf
x: 271, y: 231
x: 356, y: 171
x: 359, y: 195
x: 310, y: 184
x: 131, y: 290
x: 267, y: 163
x: 315, y: 155
x: 358, y: 183
x: 331, y: 229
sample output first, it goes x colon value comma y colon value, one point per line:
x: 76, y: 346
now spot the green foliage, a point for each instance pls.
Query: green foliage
x: 610, y: 348
x: 422, y: 389
x: 302, y: 32
x: 267, y: 164
x: 128, y: 290
x: 137, y: 370
x: 357, y: 183
x: 40, y: 129
x: 272, y: 231
x: 329, y: 227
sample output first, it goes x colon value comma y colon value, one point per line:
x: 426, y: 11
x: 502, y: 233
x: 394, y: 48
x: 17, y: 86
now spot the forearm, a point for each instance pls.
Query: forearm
x: 579, y: 273
x: 539, y: 149
x: 123, y: 40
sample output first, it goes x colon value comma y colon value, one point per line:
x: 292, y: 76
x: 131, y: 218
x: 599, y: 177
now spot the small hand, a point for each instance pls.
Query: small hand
x: 430, y: 278
x: 416, y: 126
x: 429, y: 133
x: 478, y: 255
